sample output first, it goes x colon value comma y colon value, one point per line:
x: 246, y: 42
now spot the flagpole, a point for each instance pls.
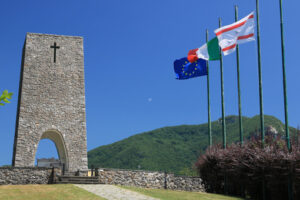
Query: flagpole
x: 222, y: 96
x: 262, y: 128
x: 238, y: 82
x: 284, y: 82
x: 290, y: 187
x: 223, y: 109
x: 208, y: 100
x: 260, y: 78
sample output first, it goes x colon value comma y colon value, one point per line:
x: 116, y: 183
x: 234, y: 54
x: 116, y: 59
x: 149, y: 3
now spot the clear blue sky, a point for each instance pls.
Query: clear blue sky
x: 130, y: 47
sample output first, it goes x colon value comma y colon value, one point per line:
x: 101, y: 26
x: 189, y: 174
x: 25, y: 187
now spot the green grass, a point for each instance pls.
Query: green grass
x: 45, y: 192
x: 179, y: 195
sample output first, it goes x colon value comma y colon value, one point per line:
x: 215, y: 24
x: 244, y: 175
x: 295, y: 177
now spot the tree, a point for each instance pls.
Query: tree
x: 4, y: 97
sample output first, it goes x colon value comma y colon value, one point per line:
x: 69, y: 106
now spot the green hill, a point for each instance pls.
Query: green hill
x: 173, y: 149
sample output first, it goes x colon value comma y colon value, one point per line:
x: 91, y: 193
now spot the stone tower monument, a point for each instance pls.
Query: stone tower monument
x: 51, y: 100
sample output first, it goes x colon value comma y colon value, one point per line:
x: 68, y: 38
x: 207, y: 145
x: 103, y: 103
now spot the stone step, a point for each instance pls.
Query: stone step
x: 78, y: 179
x: 77, y: 182
x: 95, y: 180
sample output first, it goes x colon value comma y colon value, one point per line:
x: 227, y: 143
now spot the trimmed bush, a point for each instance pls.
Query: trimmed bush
x: 246, y: 170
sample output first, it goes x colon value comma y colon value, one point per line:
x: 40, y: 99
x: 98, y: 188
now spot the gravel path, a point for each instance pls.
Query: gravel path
x: 112, y: 192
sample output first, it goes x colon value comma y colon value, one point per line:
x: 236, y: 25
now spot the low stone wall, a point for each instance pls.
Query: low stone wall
x: 25, y: 175
x: 184, y: 183
x: 138, y: 178
x: 149, y: 179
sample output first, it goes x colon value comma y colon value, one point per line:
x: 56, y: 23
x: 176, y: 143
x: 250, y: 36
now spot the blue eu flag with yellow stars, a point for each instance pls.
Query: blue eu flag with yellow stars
x: 185, y: 70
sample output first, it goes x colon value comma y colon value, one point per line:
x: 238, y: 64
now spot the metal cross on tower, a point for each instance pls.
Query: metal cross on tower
x: 55, y: 47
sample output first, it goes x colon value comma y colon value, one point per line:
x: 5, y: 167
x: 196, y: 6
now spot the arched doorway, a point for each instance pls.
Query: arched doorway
x: 46, y: 153
x: 57, y: 138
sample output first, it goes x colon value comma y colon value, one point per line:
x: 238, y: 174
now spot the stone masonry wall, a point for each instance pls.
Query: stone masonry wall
x: 137, y: 178
x: 25, y: 175
x: 52, y: 100
x: 148, y: 179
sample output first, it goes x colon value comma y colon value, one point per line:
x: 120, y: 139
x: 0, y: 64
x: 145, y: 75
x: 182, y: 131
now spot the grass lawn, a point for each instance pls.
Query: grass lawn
x: 45, y: 192
x: 179, y: 195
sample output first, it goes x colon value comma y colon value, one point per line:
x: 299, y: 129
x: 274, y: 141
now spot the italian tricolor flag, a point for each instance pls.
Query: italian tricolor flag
x: 209, y: 51
x: 237, y: 33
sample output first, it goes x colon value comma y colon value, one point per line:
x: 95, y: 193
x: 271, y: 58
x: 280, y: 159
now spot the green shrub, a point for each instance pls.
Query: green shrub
x: 245, y: 169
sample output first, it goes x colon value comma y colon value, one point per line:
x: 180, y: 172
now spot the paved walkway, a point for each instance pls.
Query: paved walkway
x: 112, y: 192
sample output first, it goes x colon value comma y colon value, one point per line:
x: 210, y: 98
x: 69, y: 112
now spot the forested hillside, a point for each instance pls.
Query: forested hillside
x: 174, y: 149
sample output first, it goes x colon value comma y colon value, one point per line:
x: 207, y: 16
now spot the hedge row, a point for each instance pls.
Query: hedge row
x: 252, y: 171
